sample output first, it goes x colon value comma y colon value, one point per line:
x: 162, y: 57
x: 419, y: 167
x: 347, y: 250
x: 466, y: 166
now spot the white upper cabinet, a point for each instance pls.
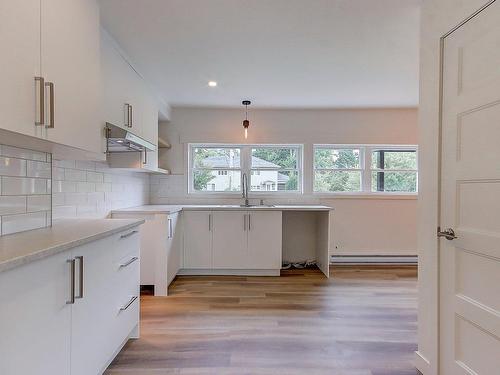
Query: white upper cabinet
x: 71, y: 62
x: 128, y: 101
x: 58, y: 41
x: 20, y: 64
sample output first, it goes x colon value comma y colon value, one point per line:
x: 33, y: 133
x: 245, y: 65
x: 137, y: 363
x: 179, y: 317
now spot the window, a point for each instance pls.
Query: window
x: 394, y: 170
x: 337, y: 169
x: 365, y: 169
x: 275, y: 168
x: 216, y: 169
x: 270, y: 168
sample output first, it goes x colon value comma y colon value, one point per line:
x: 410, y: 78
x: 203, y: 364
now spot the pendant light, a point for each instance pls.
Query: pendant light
x: 246, y: 123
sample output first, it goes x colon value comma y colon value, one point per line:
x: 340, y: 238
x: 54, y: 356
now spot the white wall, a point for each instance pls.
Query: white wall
x: 437, y: 17
x: 362, y: 225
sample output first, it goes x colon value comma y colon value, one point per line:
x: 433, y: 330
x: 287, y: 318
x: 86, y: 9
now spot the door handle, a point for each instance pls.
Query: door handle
x: 50, y: 86
x: 80, y: 276
x: 129, y: 262
x: 128, y: 303
x: 40, y: 93
x: 170, y: 228
x: 129, y: 234
x: 72, y: 281
x: 449, y: 234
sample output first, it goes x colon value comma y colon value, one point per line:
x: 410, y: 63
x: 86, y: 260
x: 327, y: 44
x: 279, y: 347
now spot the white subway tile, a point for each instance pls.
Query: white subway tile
x: 24, y: 186
x: 22, y: 153
x: 64, y: 163
x: 23, y: 222
x: 75, y: 199
x: 104, y: 186
x: 12, y: 205
x: 85, y: 165
x: 95, y: 198
x: 95, y: 177
x: 38, y: 169
x: 85, y: 187
x: 75, y: 175
x: 64, y: 187
x: 58, y: 199
x: 60, y: 212
x: 12, y: 166
x: 38, y: 203
x: 58, y: 173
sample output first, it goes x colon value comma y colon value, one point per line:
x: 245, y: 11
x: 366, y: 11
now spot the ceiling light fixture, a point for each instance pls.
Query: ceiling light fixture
x: 212, y: 83
x: 246, y: 123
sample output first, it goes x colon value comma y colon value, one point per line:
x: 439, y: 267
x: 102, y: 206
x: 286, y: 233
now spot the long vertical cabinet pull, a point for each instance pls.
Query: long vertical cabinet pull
x: 72, y: 281
x: 169, y: 228
x: 131, y: 116
x: 128, y: 115
x: 80, y: 277
x: 249, y: 223
x: 40, y: 101
x: 209, y: 222
x: 50, y: 86
x: 245, y: 222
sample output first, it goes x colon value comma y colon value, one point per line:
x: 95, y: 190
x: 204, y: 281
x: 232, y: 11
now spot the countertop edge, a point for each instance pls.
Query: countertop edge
x: 217, y: 208
x: 43, y: 253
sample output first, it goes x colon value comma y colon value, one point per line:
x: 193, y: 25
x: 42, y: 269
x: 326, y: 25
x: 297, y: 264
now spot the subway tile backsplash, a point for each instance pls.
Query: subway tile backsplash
x: 34, y: 189
x: 25, y: 188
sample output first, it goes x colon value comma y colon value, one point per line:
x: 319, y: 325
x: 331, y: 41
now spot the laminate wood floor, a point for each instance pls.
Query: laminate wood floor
x: 359, y: 322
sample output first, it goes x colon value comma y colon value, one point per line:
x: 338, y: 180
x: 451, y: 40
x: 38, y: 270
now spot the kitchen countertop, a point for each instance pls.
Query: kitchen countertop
x: 169, y: 209
x: 25, y: 247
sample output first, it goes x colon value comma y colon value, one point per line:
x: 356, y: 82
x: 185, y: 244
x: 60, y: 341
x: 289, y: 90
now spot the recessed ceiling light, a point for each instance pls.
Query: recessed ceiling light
x: 212, y: 83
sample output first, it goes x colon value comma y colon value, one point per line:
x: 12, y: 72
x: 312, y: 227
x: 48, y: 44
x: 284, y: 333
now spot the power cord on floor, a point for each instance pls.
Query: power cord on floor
x: 298, y: 265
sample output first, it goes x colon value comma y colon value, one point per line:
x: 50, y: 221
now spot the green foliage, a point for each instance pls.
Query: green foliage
x: 284, y: 157
x: 337, y: 180
x: 201, y: 179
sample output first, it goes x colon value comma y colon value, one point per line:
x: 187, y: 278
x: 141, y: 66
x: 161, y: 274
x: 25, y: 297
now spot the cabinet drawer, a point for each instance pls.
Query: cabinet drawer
x: 126, y: 244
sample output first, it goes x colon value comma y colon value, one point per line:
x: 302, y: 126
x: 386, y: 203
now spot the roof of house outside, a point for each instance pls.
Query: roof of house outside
x: 224, y: 162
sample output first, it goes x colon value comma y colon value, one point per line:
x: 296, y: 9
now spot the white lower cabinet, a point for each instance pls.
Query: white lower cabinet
x: 35, y: 321
x: 57, y: 321
x: 232, y: 240
x: 198, y: 239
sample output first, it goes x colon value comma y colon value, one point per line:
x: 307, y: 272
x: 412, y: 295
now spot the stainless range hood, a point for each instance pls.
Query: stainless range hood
x: 121, y: 140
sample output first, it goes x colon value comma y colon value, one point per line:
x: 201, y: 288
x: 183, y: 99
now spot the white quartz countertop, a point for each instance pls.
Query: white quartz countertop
x: 21, y: 248
x: 168, y: 209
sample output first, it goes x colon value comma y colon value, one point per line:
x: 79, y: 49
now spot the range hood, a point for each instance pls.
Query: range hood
x: 121, y: 140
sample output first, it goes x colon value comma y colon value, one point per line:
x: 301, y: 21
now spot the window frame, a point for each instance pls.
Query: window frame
x: 245, y: 167
x: 366, y: 169
x: 393, y: 149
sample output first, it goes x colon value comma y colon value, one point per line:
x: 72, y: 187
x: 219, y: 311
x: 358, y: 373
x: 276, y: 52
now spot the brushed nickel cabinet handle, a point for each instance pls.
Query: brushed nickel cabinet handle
x: 40, y: 101
x: 132, y: 300
x: 245, y: 222
x: 129, y: 234
x: 170, y: 228
x: 209, y: 222
x: 249, y: 223
x: 130, y: 116
x: 145, y: 157
x: 80, y: 276
x: 50, y: 86
x: 72, y: 281
x: 129, y: 262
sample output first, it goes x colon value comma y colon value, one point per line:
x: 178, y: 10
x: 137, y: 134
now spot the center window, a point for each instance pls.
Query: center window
x: 270, y: 169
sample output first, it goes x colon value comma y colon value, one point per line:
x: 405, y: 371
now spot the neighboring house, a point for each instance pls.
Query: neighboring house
x: 264, y: 175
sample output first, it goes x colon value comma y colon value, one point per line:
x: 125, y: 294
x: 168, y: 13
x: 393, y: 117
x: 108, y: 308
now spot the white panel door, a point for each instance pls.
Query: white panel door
x: 71, y: 61
x: 93, y: 313
x: 35, y: 320
x: 20, y: 63
x: 470, y: 198
x: 264, y: 240
x: 230, y: 240
x: 174, y: 260
x: 198, y: 239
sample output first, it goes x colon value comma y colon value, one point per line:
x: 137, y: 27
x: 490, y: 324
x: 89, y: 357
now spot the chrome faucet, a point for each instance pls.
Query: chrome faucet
x: 244, y: 180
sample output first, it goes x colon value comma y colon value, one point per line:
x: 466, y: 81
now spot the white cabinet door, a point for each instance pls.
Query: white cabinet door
x: 264, y: 240
x: 20, y: 63
x: 174, y: 261
x: 230, y: 240
x: 71, y: 61
x: 35, y: 321
x: 198, y: 239
x: 91, y: 346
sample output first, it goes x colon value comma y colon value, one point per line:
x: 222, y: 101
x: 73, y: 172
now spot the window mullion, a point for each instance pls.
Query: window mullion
x: 367, y: 178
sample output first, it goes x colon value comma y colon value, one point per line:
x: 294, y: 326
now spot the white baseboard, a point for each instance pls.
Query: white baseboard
x: 228, y: 272
x: 374, y: 259
x: 422, y: 364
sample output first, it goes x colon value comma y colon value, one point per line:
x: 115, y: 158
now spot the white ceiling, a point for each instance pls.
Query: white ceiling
x: 277, y: 53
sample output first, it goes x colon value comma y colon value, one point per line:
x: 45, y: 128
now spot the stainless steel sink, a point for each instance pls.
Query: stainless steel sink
x: 257, y: 205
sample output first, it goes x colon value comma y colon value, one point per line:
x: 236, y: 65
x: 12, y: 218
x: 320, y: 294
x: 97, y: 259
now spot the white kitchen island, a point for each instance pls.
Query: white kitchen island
x: 228, y: 239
